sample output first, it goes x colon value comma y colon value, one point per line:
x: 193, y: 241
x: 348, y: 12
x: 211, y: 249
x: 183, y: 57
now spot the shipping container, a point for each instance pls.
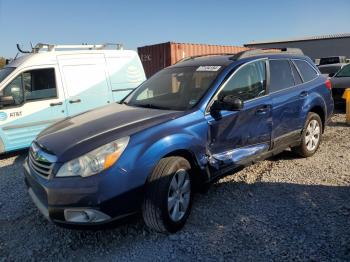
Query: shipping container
x: 158, y: 56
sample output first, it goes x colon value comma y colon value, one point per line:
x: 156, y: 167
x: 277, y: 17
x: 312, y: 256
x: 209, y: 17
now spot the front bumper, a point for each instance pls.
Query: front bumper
x: 104, y: 198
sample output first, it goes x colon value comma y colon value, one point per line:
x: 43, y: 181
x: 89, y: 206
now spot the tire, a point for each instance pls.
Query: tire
x: 164, y: 195
x: 310, y: 142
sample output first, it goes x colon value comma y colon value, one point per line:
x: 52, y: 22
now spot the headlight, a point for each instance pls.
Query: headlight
x: 94, y: 161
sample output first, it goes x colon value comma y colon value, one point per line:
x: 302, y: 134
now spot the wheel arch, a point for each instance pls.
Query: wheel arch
x: 199, y: 174
x: 320, y: 111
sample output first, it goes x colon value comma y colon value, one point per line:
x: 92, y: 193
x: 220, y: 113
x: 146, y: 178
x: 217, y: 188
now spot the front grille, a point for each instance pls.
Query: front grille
x: 39, y: 164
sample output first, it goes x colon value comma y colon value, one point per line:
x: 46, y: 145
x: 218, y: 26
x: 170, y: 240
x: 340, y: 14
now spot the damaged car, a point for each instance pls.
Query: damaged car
x: 180, y: 130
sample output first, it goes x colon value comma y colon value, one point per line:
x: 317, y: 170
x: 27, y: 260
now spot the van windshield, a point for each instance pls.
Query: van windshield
x: 177, y: 88
x: 5, y: 72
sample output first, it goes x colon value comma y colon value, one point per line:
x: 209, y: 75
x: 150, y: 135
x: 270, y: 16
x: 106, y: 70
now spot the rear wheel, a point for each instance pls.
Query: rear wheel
x: 168, y: 196
x: 311, y: 136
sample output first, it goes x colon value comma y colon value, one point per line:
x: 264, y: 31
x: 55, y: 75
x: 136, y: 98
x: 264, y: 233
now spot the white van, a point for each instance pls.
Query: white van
x: 53, y: 82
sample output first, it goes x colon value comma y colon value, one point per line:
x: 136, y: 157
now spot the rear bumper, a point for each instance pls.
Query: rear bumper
x: 55, y: 198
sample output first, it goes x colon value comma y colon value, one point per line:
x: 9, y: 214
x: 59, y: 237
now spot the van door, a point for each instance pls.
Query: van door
x: 85, y: 81
x: 37, y: 101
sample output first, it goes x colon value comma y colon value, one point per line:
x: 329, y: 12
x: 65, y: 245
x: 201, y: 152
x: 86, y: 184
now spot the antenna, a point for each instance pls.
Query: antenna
x: 21, y: 50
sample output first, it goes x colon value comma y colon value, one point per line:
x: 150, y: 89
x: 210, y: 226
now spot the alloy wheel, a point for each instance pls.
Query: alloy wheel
x: 312, y: 136
x: 179, y: 195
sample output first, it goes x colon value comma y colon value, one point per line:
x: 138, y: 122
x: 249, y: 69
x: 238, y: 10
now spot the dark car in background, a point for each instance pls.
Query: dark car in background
x: 328, y: 66
x: 330, y: 70
x: 340, y: 81
x: 332, y: 60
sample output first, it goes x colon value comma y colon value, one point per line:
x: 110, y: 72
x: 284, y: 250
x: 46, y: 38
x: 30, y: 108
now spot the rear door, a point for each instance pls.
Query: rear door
x: 86, y: 81
x: 288, y: 94
x: 235, y: 137
x: 38, y: 102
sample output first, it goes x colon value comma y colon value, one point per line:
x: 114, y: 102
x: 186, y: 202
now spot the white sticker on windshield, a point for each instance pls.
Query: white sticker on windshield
x: 208, y: 68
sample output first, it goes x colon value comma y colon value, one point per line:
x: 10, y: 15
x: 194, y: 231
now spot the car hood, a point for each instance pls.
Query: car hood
x: 77, y: 135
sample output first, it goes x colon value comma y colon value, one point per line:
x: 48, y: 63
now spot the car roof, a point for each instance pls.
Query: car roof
x: 333, y: 65
x: 227, y: 59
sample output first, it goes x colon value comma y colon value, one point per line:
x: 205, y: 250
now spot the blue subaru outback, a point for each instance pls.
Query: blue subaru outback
x: 181, y: 129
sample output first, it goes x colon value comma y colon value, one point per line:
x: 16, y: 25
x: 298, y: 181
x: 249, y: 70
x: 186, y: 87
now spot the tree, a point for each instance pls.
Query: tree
x: 2, y: 62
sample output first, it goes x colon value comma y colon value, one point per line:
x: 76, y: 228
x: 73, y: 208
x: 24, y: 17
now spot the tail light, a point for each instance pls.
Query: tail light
x: 328, y: 84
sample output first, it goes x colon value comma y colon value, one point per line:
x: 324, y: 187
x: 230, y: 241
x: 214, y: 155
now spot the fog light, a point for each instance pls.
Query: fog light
x: 85, y: 216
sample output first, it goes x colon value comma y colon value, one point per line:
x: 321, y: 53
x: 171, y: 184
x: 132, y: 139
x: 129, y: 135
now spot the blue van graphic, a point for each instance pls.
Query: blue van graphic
x: 3, y: 116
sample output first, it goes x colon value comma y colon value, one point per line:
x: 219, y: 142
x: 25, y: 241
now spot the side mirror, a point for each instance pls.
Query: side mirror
x: 229, y: 103
x: 331, y: 74
x: 6, y: 100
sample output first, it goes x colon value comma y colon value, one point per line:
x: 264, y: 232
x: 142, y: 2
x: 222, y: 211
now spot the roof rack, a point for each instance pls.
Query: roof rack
x: 267, y: 51
x: 50, y: 47
x: 196, y: 56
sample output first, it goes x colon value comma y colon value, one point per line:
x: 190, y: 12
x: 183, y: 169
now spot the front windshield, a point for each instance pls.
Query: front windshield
x: 5, y: 72
x: 344, y: 72
x: 177, y: 88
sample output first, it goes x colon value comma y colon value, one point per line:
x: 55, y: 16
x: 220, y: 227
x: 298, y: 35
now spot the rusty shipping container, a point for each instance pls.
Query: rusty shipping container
x: 158, y: 56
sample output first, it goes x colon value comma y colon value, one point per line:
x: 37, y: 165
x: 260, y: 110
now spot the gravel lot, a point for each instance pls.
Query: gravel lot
x: 284, y: 208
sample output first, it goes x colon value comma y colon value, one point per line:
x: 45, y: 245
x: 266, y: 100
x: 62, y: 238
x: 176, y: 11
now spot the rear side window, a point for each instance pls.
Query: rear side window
x: 307, y: 72
x: 297, y: 78
x: 280, y: 75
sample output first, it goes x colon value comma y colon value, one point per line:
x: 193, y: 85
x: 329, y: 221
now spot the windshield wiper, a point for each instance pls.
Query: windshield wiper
x: 150, y: 106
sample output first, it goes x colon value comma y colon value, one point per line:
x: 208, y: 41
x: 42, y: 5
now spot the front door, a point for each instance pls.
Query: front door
x: 235, y: 137
x: 38, y: 101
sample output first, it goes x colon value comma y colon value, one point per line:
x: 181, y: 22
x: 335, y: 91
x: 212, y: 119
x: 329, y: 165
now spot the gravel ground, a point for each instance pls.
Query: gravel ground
x: 284, y: 208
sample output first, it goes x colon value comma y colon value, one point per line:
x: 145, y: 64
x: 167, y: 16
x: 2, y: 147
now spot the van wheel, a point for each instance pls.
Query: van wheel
x: 168, y: 195
x: 311, y: 136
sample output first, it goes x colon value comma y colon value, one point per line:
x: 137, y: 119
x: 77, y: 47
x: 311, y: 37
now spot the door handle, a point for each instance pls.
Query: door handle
x: 263, y: 110
x: 56, y: 104
x: 74, y: 101
x: 303, y: 94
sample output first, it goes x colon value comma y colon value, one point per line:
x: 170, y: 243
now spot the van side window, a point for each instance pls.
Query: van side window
x: 280, y: 75
x: 39, y: 84
x: 307, y: 72
x: 248, y: 82
x: 15, y: 90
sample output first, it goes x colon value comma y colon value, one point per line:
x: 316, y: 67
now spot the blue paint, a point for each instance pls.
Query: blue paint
x: 3, y: 116
x: 221, y: 139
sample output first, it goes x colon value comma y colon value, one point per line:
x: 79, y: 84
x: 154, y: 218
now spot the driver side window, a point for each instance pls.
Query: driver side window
x: 248, y: 82
x: 32, y: 85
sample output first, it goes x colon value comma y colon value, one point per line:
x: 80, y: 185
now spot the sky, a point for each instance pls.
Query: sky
x: 138, y: 23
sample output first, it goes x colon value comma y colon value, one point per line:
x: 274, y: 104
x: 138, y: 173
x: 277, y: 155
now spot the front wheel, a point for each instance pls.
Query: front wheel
x: 311, y: 136
x: 168, y: 195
